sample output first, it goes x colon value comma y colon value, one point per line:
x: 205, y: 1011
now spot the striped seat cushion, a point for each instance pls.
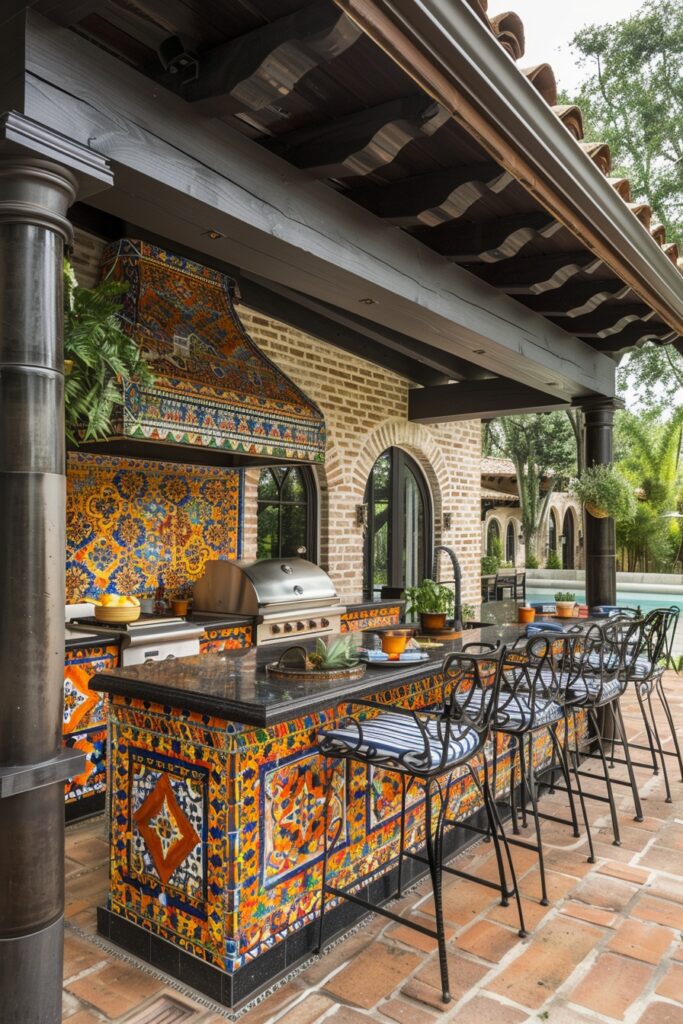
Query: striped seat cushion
x: 514, y: 711
x: 587, y: 689
x: 394, y: 736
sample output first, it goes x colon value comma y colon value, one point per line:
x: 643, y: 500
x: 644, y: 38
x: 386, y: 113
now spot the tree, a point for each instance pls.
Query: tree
x: 633, y: 100
x: 654, y: 373
x: 543, y: 451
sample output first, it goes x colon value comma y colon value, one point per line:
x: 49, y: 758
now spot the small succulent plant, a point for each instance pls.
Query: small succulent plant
x: 339, y: 653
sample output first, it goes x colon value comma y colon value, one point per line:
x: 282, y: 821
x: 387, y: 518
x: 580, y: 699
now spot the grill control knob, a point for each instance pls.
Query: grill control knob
x: 312, y: 624
x: 301, y: 625
x: 275, y: 629
x: 288, y: 627
x: 324, y: 623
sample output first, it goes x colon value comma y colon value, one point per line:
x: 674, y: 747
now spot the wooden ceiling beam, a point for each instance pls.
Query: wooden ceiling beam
x: 265, y: 65
x: 489, y: 241
x: 535, y: 275
x: 633, y: 335
x: 432, y: 199
x: 608, y: 320
x: 446, y: 403
x: 362, y: 142
x: 576, y: 299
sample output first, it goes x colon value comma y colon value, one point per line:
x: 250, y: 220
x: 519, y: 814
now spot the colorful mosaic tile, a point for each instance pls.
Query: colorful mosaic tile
x: 85, y: 718
x: 357, y: 620
x: 168, y: 816
x: 131, y: 524
x: 213, y: 386
x: 225, y: 639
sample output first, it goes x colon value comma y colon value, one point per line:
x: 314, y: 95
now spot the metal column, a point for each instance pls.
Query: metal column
x: 599, y: 534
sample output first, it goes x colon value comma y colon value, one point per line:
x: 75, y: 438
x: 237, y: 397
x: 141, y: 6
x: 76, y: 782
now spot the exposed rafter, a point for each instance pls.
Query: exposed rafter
x: 535, y: 275
x: 631, y: 336
x: 576, y: 299
x: 491, y: 240
x: 445, y: 403
x: 264, y: 65
x: 609, y: 320
x: 363, y: 142
x: 432, y: 199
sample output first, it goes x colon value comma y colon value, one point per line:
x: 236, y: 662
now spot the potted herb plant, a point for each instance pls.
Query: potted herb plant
x: 565, y: 603
x: 604, y: 492
x: 432, y: 602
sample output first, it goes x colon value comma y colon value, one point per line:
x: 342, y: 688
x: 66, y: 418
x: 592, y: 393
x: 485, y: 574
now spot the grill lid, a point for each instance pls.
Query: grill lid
x: 248, y: 588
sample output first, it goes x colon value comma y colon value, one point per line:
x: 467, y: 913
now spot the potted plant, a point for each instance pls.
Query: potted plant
x: 565, y: 603
x: 337, y: 658
x: 432, y: 602
x: 604, y: 492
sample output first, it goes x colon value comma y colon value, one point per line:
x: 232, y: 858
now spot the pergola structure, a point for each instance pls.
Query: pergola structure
x: 378, y: 173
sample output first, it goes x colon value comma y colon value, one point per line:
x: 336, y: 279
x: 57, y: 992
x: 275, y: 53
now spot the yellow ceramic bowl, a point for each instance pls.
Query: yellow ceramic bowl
x: 120, y: 614
x: 394, y: 641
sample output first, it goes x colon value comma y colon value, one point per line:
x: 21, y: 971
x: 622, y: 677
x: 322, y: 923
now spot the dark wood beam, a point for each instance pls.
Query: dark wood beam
x: 490, y: 240
x: 576, y: 299
x: 364, y: 141
x: 266, y: 64
x: 632, y: 336
x: 446, y: 403
x: 407, y: 351
x: 594, y: 324
x: 432, y: 199
x: 534, y: 275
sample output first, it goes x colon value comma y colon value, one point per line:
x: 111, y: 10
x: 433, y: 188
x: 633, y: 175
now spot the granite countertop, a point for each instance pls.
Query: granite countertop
x: 234, y: 685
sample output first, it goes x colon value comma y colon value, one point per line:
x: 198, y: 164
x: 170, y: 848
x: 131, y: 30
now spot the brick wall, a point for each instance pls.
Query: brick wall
x: 365, y: 410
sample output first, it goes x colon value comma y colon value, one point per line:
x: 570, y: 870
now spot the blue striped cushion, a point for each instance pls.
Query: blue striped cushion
x: 587, y: 689
x: 392, y: 735
x: 514, y: 711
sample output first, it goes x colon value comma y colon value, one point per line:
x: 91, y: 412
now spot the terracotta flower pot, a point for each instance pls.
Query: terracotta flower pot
x: 597, y: 513
x: 565, y: 609
x: 526, y: 614
x: 432, y: 621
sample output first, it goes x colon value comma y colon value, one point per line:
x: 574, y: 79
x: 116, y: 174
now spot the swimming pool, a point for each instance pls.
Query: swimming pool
x: 629, y: 599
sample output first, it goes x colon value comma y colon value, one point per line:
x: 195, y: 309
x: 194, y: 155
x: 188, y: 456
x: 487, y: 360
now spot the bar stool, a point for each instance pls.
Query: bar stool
x: 427, y: 748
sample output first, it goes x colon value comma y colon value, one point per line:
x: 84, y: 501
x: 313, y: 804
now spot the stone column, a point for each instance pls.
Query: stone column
x: 599, y: 534
x: 35, y: 194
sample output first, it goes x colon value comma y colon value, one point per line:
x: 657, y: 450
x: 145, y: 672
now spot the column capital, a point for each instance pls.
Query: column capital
x: 598, y: 403
x: 20, y: 136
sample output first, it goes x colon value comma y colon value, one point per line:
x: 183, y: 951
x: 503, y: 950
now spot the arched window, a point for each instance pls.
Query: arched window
x: 552, y: 532
x: 286, y: 513
x: 398, y: 543
x: 510, y: 543
x: 568, y: 540
x: 494, y: 545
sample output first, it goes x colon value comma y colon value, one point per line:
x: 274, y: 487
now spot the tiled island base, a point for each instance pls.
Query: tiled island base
x: 217, y: 839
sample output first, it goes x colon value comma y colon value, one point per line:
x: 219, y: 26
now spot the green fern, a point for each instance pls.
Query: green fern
x: 98, y: 356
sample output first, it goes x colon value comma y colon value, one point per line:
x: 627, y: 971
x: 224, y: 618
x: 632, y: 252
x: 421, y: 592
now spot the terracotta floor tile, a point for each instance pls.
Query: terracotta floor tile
x: 79, y: 955
x: 660, y: 911
x: 605, y: 892
x: 368, y: 979
x: 307, y: 1012
x: 662, y: 1013
x: 678, y: 955
x: 462, y: 902
x: 411, y: 937
x: 532, y: 910
x: 405, y: 1013
x: 83, y: 1017
x: 344, y: 1015
x: 421, y: 992
x: 463, y: 975
x: 671, y: 837
x: 634, y: 839
x: 558, y: 886
x: 642, y: 941
x: 648, y: 824
x: 115, y: 989
x: 593, y: 915
x: 663, y: 859
x: 487, y: 940
x: 667, y: 888
x: 671, y: 985
x: 627, y: 872
x: 344, y: 951
x: 550, y: 957
x: 482, y: 1010
x: 273, y: 1003
x: 612, y: 985
x: 569, y: 862
x: 607, y: 851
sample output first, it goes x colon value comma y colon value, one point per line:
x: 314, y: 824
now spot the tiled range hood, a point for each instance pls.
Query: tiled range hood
x: 216, y: 398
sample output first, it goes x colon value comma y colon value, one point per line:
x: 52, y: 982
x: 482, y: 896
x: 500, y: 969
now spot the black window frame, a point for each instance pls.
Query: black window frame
x: 493, y: 525
x: 511, y: 531
x: 311, y: 503
x: 400, y: 461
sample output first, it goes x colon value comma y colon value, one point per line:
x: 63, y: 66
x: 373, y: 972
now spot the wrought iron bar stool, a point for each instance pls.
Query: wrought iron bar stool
x: 532, y: 703
x: 428, y: 748
x: 603, y: 655
x: 650, y: 655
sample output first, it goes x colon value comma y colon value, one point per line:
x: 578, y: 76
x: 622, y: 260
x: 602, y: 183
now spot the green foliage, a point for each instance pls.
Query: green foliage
x: 494, y: 547
x: 489, y: 564
x: 531, y: 561
x: 633, y: 100
x: 553, y: 561
x: 543, y: 450
x: 467, y: 613
x: 335, y: 654
x: 565, y: 595
x: 429, y: 598
x: 603, y: 488
x: 653, y: 373
x: 98, y: 355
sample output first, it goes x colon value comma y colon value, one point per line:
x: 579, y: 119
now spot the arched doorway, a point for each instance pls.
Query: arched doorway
x: 510, y: 543
x: 568, y: 540
x: 399, y: 537
x: 552, y: 532
x: 493, y: 542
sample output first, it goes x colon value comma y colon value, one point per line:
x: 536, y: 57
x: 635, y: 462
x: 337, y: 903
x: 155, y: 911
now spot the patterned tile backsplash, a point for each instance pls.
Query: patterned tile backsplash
x: 132, y: 523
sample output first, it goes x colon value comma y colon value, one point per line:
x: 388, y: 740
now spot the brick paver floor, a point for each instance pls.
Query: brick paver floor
x: 608, y: 948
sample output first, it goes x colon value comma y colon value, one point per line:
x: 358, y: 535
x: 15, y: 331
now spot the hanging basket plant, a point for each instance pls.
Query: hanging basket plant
x: 98, y: 356
x: 605, y: 492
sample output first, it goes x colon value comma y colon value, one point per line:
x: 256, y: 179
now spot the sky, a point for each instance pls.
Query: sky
x: 549, y: 26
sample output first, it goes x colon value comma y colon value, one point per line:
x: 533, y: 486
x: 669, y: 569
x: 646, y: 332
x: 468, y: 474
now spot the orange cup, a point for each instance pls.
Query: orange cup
x: 180, y: 606
x: 394, y: 642
x: 526, y: 614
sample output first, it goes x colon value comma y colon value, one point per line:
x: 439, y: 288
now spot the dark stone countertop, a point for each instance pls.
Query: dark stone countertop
x: 235, y: 685
x: 74, y: 640
x: 216, y: 620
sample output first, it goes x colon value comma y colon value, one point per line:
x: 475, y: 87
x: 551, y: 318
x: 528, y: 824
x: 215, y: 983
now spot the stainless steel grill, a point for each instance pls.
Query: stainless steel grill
x: 288, y: 597
x: 150, y: 638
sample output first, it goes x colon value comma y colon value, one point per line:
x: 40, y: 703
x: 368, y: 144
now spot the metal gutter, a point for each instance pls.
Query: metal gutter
x: 444, y: 46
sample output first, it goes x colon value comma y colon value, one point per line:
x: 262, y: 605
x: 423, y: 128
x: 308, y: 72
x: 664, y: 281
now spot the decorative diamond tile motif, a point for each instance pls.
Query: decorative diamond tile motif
x: 166, y: 829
